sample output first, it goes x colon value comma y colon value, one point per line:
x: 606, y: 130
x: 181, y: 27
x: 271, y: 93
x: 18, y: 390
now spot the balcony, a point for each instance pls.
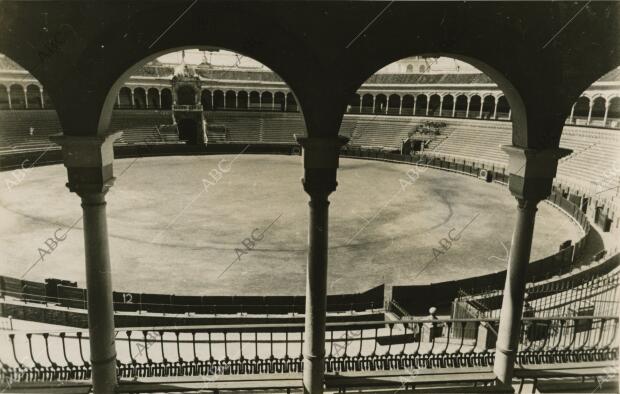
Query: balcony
x: 358, y: 355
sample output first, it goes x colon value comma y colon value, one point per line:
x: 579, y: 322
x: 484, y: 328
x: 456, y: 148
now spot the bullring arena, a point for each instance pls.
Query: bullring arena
x: 184, y: 246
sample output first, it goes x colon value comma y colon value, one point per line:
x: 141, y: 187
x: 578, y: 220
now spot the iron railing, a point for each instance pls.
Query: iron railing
x: 274, y: 348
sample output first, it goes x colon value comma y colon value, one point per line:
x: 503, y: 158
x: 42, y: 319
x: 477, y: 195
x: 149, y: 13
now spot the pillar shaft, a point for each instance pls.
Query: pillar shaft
x: 428, y: 104
x: 606, y: 113
x: 514, y: 291
x: 316, y: 296
x: 495, y: 109
x: 589, y: 113
x: 320, y: 167
x: 89, y: 162
x: 99, y: 285
x: 414, y: 105
x: 26, y: 98
x: 531, y: 179
x: 42, y: 98
x: 467, y: 110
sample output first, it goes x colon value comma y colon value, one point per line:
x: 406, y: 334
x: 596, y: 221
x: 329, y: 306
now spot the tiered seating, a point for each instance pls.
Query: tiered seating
x: 15, y: 129
x: 476, y: 140
x: 595, y: 151
x: 382, y: 132
x: 259, y: 126
x: 140, y: 126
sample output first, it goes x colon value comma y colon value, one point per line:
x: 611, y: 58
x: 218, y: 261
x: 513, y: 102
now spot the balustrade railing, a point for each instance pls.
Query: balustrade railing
x: 275, y: 348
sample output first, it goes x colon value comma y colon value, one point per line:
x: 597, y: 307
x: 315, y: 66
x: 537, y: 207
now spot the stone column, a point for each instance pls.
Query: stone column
x: 133, y: 101
x: 118, y: 99
x: 89, y: 168
x: 440, y: 105
x: 236, y: 100
x: 320, y: 157
x: 572, y: 113
x: 606, y: 113
x: 400, y: 106
x: 8, y: 95
x: 531, y: 178
x: 495, y: 109
x: 26, y: 97
x: 589, y: 112
x: 43, y: 97
x: 374, y: 102
x: 510, y: 114
x: 481, y: 107
x: 428, y: 103
x: 414, y: 104
x: 454, y: 107
x: 467, y: 109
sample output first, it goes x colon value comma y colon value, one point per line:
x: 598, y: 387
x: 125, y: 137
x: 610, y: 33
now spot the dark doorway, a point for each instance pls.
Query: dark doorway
x: 188, y: 131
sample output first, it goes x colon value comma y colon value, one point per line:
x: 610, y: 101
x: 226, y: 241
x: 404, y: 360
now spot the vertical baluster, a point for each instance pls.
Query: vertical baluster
x: 146, y: 346
x: 210, y: 349
x: 64, y: 350
x: 179, y: 358
x: 29, y: 336
x: 331, y: 343
x: 419, y: 326
x: 47, y: 350
x: 133, y: 360
x: 241, y: 345
x: 359, y: 353
x: 84, y: 362
x: 286, y: 344
x: 256, y: 344
x: 12, y: 339
x: 271, y: 344
x: 194, y: 346
x: 161, y: 343
x: 225, y: 346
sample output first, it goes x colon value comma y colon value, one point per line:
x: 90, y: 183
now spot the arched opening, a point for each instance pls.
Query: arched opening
x: 367, y: 104
x: 433, y: 106
x: 218, y: 99
x: 188, y: 131
x: 153, y: 98
x: 279, y: 101
x: 613, y: 113
x: 205, y: 100
x: 124, y: 98
x: 186, y: 95
x: 139, y: 97
x: 409, y: 68
x: 355, y: 104
x: 231, y: 100
x: 380, y: 104
x: 488, y: 107
x: 4, y: 97
x: 291, y: 103
x: 503, y: 108
x: 266, y: 101
x: 582, y: 110
x: 421, y: 105
x: 475, y: 106
x: 255, y: 100
x: 407, y: 105
x: 598, y: 110
x: 18, y: 97
x: 460, y: 106
x: 447, y: 105
x: 394, y: 105
x: 242, y: 100
x: 33, y: 95
x: 166, y: 98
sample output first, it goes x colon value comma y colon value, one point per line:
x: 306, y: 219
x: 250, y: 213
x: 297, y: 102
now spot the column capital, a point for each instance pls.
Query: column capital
x: 321, y: 159
x: 532, y: 171
x: 89, y: 161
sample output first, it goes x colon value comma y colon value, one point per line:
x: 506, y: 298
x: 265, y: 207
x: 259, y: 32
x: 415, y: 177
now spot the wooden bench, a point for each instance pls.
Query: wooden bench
x: 476, y: 379
x: 595, y: 369
x: 285, y: 382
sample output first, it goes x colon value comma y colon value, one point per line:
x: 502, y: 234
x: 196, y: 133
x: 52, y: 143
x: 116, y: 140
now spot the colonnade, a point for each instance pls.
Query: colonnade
x: 11, y: 99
